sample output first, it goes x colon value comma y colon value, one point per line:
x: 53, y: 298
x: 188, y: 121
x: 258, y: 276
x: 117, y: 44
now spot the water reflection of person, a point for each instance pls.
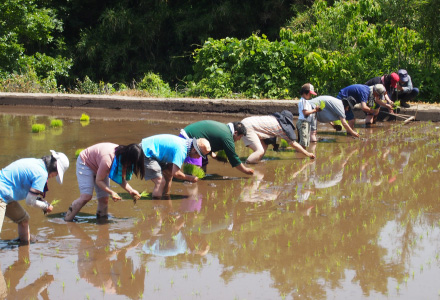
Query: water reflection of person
x: 105, y: 267
x: 169, y: 237
x: 16, y: 272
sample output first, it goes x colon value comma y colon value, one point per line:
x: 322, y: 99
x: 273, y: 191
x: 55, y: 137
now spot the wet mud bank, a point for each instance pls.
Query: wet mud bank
x: 422, y: 112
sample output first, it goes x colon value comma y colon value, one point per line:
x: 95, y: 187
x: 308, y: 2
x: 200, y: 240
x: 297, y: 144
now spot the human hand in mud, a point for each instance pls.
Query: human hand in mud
x: 135, y: 195
x: 115, y: 197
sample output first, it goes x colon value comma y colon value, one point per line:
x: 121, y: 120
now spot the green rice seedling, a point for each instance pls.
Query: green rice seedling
x: 84, y: 118
x: 38, y: 128
x: 221, y: 156
x: 284, y: 144
x: 55, y: 202
x: 56, y: 123
x: 193, y: 170
x: 78, y: 151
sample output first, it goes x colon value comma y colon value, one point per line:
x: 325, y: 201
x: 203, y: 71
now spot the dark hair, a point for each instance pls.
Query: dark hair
x: 132, y: 157
x: 51, y: 163
x: 304, y: 90
x: 239, y: 127
x: 345, y: 103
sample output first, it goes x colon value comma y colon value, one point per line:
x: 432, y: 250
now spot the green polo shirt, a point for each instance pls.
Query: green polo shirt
x: 219, y: 136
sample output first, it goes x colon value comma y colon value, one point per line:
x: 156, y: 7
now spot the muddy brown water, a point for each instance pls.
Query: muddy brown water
x: 360, y: 221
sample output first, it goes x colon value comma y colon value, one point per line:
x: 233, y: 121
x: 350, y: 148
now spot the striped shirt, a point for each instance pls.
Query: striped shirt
x: 265, y: 127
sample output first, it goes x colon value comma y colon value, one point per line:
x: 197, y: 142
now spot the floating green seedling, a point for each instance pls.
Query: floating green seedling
x: 55, y: 123
x: 85, y: 118
x: 78, y: 151
x: 38, y: 128
x: 193, y: 170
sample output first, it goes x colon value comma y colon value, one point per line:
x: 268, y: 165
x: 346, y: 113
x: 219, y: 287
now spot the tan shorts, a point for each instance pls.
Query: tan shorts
x: 16, y: 213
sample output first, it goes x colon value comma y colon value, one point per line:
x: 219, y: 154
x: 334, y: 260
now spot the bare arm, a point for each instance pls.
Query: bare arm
x: 182, y: 176
x: 133, y: 193
x: 298, y: 147
x: 33, y: 199
x: 368, y: 110
x: 348, y: 128
x: 244, y: 169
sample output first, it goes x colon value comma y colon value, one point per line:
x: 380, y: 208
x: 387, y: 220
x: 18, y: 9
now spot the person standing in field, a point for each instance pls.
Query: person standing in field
x: 26, y: 178
x: 331, y: 110
x: 99, y: 163
x: 369, y: 97
x: 221, y: 137
x: 306, y: 114
x: 164, y: 155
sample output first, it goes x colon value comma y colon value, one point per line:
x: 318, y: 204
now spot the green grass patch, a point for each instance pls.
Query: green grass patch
x: 38, y: 128
x: 56, y: 123
x: 193, y: 170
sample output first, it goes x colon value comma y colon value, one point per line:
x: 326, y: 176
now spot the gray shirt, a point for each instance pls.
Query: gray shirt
x: 333, y: 110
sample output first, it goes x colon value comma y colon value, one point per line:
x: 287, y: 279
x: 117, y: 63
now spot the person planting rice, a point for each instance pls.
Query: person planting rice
x: 221, y: 137
x: 164, y: 155
x: 26, y: 178
x: 99, y: 163
x: 332, y: 109
x: 306, y: 114
x: 370, y: 98
x: 263, y: 130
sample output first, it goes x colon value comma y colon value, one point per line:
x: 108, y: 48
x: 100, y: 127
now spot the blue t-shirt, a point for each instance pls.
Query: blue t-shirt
x: 23, y: 174
x: 166, y: 148
x: 360, y: 92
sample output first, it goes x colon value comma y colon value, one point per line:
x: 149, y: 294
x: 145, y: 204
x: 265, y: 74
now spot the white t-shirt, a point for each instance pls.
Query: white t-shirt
x: 304, y: 105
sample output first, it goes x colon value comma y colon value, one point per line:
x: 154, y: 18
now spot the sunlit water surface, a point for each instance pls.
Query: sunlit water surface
x: 362, y: 220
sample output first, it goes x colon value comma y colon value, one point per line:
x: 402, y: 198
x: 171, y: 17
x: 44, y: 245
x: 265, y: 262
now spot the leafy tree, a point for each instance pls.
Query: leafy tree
x: 26, y: 39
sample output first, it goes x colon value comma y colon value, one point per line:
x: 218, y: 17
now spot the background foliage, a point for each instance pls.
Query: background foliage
x: 253, y: 49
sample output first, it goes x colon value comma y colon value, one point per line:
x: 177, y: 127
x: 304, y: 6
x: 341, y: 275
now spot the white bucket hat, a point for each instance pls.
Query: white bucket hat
x: 62, y: 164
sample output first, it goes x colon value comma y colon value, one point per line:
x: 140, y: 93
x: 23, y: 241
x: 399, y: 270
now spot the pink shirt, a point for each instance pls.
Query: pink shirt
x: 99, y: 158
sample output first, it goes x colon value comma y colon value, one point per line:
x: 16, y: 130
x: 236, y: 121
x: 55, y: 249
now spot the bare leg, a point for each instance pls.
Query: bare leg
x: 168, y: 176
x: 76, y: 206
x: 102, y: 210
x: 159, y: 184
x: 23, y: 232
x: 257, y: 155
x: 313, y: 136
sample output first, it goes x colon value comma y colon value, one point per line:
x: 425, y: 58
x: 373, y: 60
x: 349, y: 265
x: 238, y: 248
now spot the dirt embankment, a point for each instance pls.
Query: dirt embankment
x: 423, y: 112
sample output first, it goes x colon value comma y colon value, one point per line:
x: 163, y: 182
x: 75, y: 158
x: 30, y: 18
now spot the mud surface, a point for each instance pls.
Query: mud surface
x: 360, y: 221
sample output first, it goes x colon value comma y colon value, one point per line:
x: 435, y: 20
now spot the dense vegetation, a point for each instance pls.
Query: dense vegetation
x: 252, y: 49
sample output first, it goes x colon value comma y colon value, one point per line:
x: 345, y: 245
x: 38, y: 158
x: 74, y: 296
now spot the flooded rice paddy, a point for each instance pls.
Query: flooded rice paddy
x: 362, y: 220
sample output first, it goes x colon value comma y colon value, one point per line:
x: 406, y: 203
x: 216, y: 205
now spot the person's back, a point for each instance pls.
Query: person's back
x: 17, y: 178
x: 165, y: 148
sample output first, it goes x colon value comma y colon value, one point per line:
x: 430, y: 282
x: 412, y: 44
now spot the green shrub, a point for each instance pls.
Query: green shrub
x: 38, y: 127
x: 153, y: 84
